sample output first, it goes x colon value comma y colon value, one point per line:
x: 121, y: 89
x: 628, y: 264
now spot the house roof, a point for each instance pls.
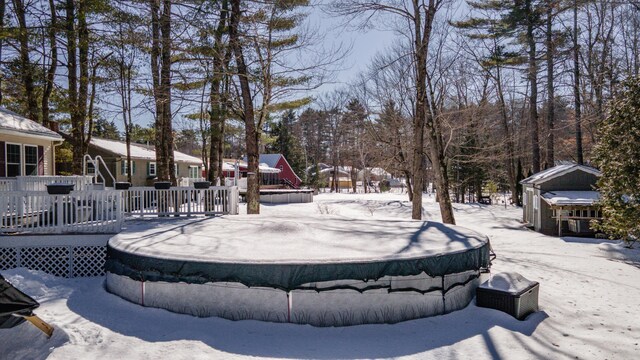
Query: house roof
x: 556, y: 171
x: 270, y: 159
x: 230, y: 165
x: 20, y: 125
x: 138, y: 151
x: 562, y: 198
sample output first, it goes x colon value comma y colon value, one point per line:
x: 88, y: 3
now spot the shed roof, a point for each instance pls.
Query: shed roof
x: 564, y: 198
x: 138, y: 151
x: 12, y: 122
x: 557, y: 171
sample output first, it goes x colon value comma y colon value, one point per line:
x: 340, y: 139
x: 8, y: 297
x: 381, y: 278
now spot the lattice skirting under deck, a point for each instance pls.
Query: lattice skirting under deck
x: 67, y: 261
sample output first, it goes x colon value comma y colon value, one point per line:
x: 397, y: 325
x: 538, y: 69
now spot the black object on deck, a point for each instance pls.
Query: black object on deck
x: 59, y: 188
x: 202, y: 184
x: 14, y: 302
x: 162, y: 185
x: 122, y: 185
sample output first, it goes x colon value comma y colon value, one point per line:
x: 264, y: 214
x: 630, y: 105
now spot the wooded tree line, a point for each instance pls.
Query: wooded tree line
x: 469, y: 93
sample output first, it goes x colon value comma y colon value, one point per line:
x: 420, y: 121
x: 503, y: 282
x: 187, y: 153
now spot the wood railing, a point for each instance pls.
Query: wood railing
x: 148, y: 201
x: 88, y: 211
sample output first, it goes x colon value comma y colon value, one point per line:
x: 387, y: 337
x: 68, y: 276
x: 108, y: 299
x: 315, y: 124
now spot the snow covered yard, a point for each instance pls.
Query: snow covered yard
x: 588, y: 302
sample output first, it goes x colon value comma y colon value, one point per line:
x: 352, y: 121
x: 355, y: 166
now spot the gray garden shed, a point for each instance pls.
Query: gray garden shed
x: 561, y: 200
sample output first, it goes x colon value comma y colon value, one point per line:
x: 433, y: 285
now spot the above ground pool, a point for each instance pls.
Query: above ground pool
x: 323, y: 270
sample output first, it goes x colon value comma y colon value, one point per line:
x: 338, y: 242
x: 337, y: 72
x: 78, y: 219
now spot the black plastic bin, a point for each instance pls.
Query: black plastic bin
x: 59, y: 189
x: 202, y: 184
x: 162, y: 185
x: 122, y: 185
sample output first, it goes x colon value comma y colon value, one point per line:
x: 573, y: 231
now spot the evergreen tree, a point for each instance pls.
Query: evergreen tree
x: 286, y: 143
x: 105, y: 129
x: 618, y: 156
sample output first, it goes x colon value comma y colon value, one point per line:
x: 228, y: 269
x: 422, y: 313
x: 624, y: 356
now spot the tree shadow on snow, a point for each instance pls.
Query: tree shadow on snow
x: 264, y: 339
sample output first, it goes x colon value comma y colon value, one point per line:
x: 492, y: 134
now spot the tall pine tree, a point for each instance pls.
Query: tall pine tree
x: 618, y: 156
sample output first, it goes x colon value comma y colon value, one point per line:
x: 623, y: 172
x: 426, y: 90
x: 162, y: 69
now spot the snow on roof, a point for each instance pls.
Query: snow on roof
x: 230, y: 165
x: 582, y: 198
x: 554, y: 172
x: 11, y: 121
x: 139, y: 151
x: 270, y: 159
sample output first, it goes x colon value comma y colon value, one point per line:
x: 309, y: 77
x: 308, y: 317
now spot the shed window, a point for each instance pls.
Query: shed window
x: 536, y: 202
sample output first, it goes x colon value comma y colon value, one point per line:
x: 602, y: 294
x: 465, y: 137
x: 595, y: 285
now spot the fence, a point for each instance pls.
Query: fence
x: 39, y: 183
x: 88, y: 211
x: 148, y: 201
x: 8, y: 184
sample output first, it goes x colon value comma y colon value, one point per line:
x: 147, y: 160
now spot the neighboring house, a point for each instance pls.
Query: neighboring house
x: 286, y: 174
x: 26, y: 147
x: 268, y: 174
x: 143, y: 160
x: 561, y: 200
x: 374, y: 174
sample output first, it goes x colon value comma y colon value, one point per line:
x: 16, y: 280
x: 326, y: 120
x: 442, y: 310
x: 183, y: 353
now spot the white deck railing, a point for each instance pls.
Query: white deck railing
x: 8, y: 184
x: 148, y: 201
x: 88, y: 211
x: 39, y: 183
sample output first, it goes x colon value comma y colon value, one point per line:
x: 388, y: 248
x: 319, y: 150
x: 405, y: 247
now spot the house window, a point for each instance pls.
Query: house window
x: 13, y: 156
x: 30, y: 160
x: 175, y: 169
x: 193, y: 172
x: 124, y: 167
x: 151, y: 169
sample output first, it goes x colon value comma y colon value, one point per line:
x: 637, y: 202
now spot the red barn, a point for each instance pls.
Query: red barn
x: 286, y: 175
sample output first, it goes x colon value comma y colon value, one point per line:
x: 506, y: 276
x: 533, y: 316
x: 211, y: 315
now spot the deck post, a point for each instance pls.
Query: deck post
x: 560, y: 222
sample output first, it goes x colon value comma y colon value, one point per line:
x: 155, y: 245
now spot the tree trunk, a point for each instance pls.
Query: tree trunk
x: 53, y: 65
x: 408, y: 176
x: 165, y: 86
x: 161, y: 171
x: 509, y: 162
x: 25, y: 62
x: 576, y: 85
x: 3, y: 7
x: 425, y: 118
x: 253, y: 186
x: 217, y: 115
x: 550, y: 158
x: 72, y: 80
x: 533, y: 95
x: 420, y: 49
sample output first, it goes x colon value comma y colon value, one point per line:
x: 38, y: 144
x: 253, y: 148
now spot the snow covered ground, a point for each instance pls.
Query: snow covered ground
x: 589, y: 307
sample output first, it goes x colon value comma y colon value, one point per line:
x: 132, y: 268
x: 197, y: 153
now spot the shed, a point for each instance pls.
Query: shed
x: 561, y: 200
